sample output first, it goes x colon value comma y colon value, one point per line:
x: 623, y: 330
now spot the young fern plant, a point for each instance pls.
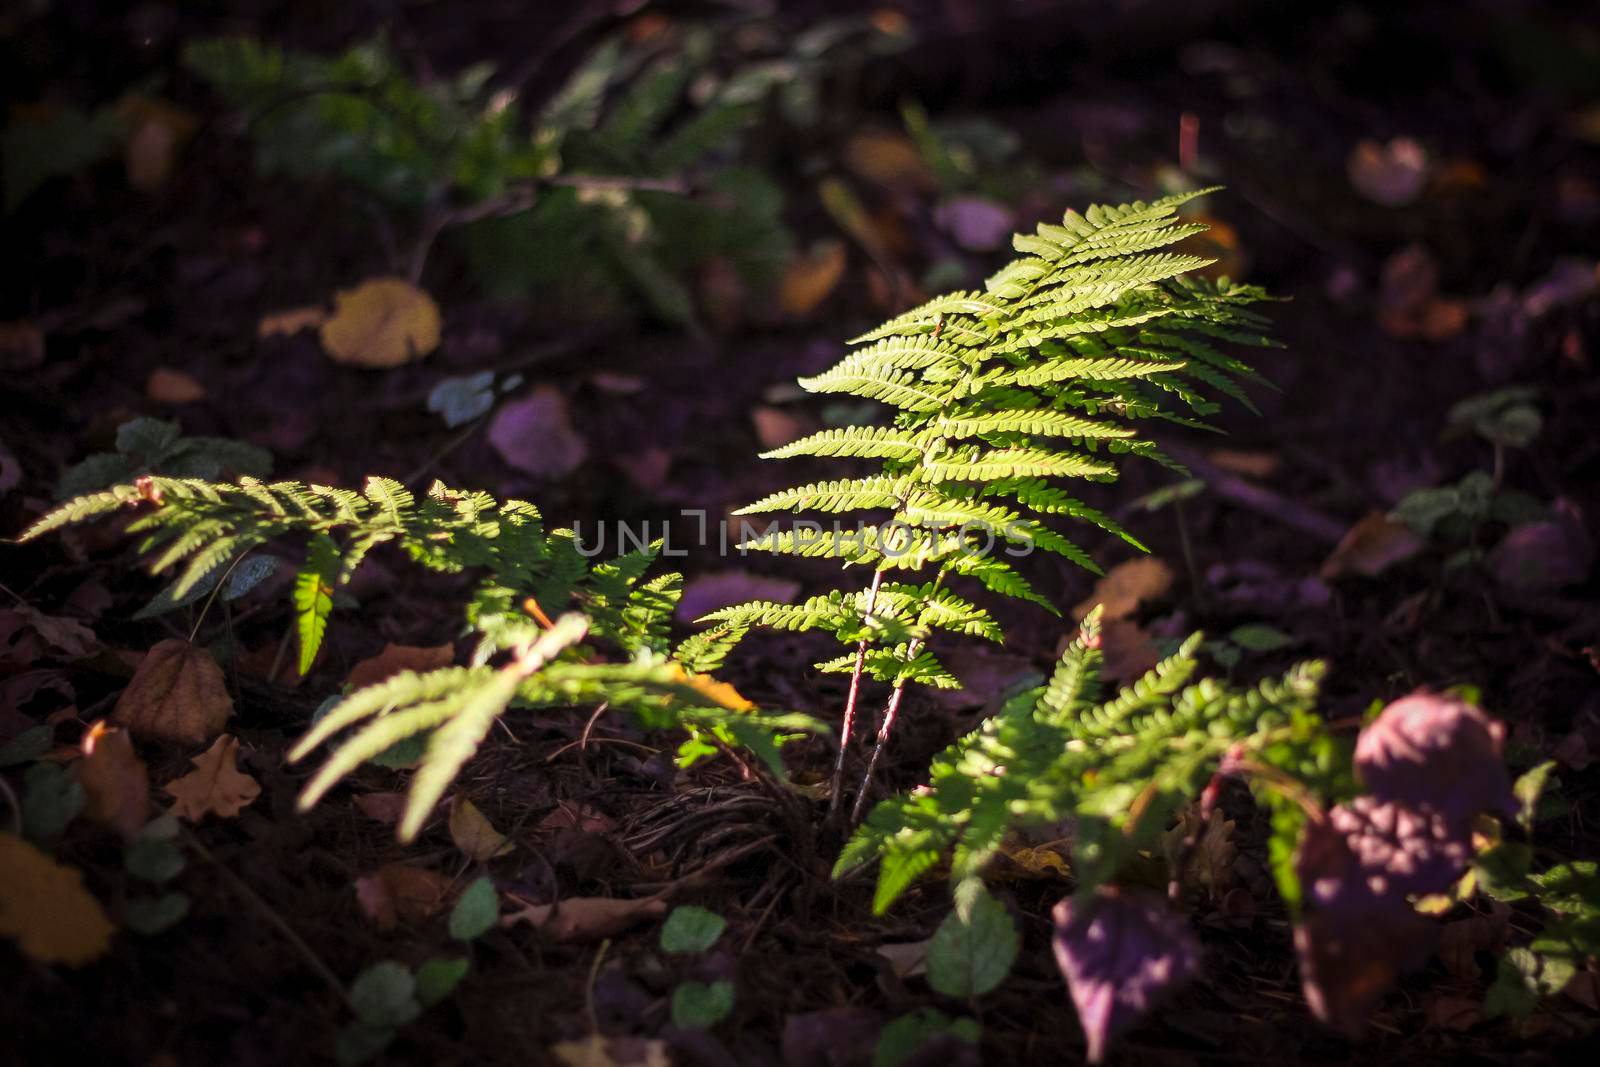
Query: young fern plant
x: 999, y: 395
x: 545, y: 620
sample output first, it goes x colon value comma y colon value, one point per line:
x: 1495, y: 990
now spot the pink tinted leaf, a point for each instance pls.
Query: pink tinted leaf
x: 1400, y: 849
x: 1542, y: 556
x: 1429, y: 750
x: 1119, y: 952
x: 535, y: 435
x: 1352, y: 943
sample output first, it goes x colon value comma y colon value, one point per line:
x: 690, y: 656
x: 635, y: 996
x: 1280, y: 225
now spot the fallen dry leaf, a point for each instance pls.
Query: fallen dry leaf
x: 168, y: 386
x: 776, y: 427
x: 472, y: 833
x: 154, y: 130
x: 1370, y: 547
x: 21, y: 345
x: 290, y: 322
x: 216, y: 786
x: 397, y: 892
x: 396, y: 658
x: 907, y: 959
x: 572, y: 816
x: 1392, y: 174
x: 383, y: 322
x: 811, y: 277
x: 45, y: 907
x: 890, y: 160
x: 1409, y: 304
x: 1126, y: 586
x: 535, y: 435
x: 584, y: 918
x: 115, y: 781
x: 383, y: 807
x: 177, y: 694
x: 597, y: 1050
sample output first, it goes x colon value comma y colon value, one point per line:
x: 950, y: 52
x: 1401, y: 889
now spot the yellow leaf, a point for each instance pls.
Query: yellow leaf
x: 810, y: 277
x: 383, y: 322
x: 45, y: 907
x: 721, y: 694
x: 177, y: 694
x: 471, y: 831
x: 216, y: 786
x: 290, y: 322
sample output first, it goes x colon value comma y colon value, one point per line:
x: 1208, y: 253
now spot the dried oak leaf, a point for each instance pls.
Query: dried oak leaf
x: 291, y: 321
x: 397, y: 892
x: 168, y: 386
x: 473, y: 834
x: 382, y: 807
x: 584, y: 918
x: 216, y: 786
x: 1429, y: 750
x: 396, y: 658
x: 1119, y: 953
x: 46, y: 908
x: 178, y: 693
x: 115, y: 781
x: 383, y: 322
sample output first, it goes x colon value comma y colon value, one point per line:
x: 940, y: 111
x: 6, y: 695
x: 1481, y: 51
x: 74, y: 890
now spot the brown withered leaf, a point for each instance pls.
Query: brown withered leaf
x: 584, y: 918
x: 216, y: 786
x: 168, y: 386
x: 1370, y: 547
x: 46, y: 908
x: 597, y: 1050
x: 115, y: 781
x: 289, y: 322
x: 473, y: 834
x: 382, y: 807
x: 573, y: 816
x: 396, y: 658
x: 810, y: 277
x: 397, y: 892
x: 1126, y: 586
x: 178, y: 693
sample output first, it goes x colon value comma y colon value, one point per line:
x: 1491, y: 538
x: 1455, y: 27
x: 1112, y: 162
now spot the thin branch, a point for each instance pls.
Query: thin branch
x: 850, y: 702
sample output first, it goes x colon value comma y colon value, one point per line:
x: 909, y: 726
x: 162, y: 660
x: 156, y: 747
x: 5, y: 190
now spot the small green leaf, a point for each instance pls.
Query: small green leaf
x: 384, y: 995
x: 1503, y: 871
x: 153, y: 859
x: 153, y: 915
x: 1528, y: 788
x: 476, y: 911
x: 700, y: 1005
x: 1259, y: 637
x: 27, y: 746
x: 969, y: 958
x: 359, y: 1042
x: 438, y: 978
x: 690, y: 929
x: 899, y: 1040
x: 51, y: 799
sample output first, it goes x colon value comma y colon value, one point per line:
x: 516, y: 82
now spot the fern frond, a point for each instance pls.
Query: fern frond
x: 872, y: 442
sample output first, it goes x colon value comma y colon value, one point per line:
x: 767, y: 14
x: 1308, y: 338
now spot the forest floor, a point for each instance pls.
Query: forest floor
x: 1480, y: 276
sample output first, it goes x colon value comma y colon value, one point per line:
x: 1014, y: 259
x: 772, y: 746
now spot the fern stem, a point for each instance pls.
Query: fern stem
x: 850, y: 702
x: 889, y: 712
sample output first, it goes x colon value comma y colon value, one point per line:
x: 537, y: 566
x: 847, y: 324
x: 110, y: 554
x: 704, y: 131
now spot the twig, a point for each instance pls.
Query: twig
x: 588, y: 988
x: 1258, y: 499
x: 15, y: 805
x: 278, y: 922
